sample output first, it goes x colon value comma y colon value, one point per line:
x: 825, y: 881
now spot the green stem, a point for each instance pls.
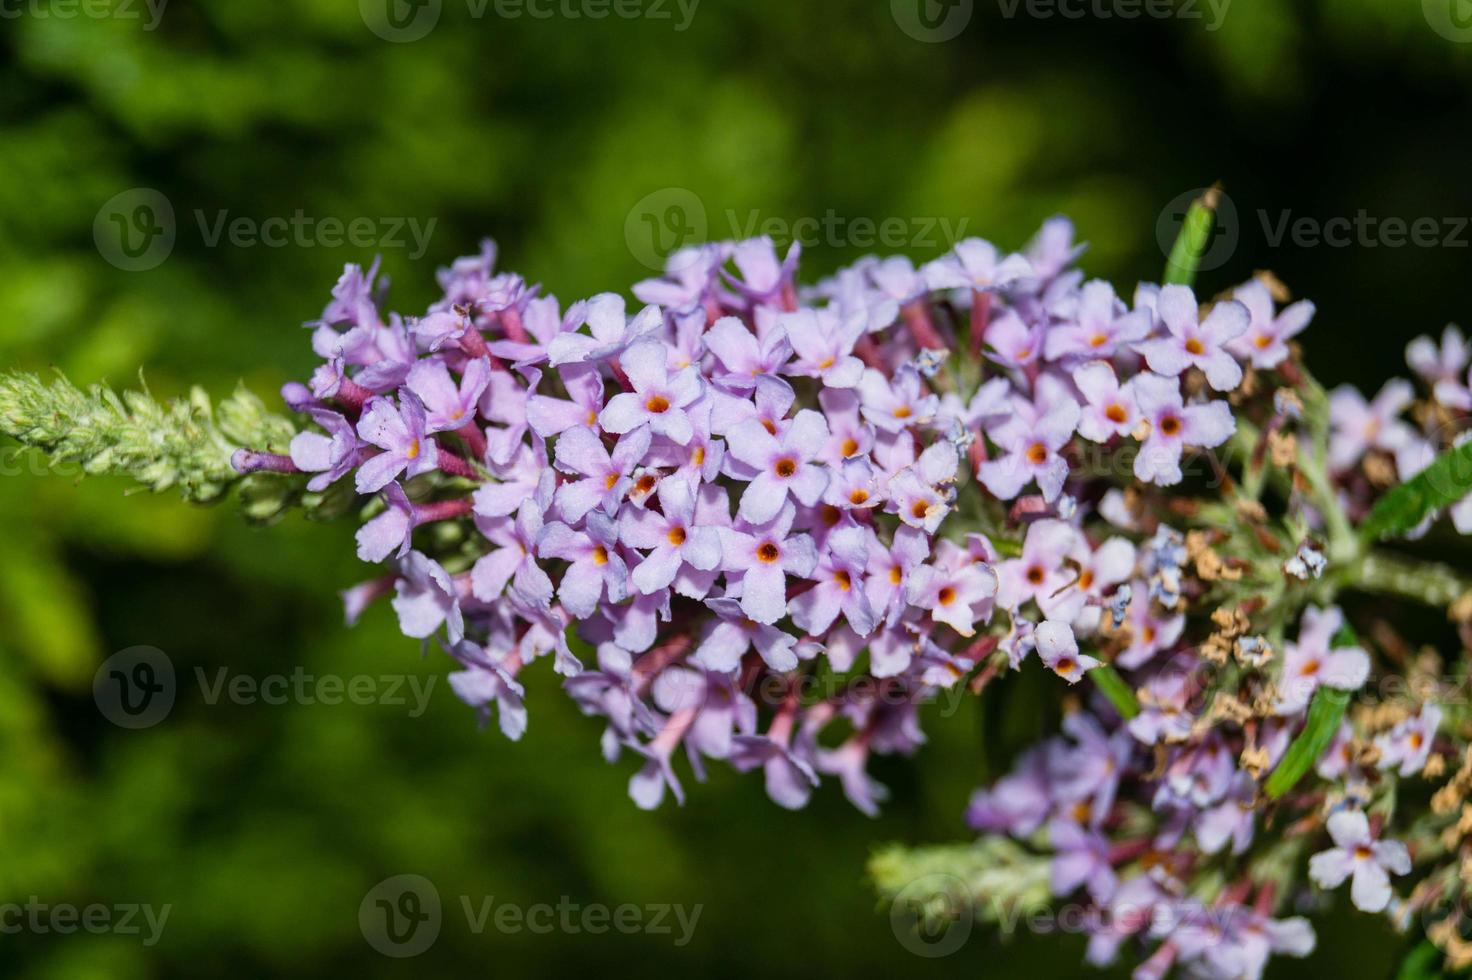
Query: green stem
x: 1391, y: 574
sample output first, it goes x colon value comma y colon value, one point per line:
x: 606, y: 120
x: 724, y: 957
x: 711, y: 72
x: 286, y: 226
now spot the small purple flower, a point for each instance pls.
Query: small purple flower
x: 690, y: 274
x: 1109, y: 408
x: 1098, y: 327
x: 1163, y: 715
x: 1407, y: 746
x: 1360, y: 426
x: 824, y: 346
x: 1031, y: 442
x: 1038, y: 573
x: 957, y: 594
x: 976, y: 264
x: 1016, y: 804
x: 1265, y: 343
x: 897, y: 405
x: 1231, y: 820
x: 549, y: 416
x: 401, y: 432
x: 1058, y: 650
x: 1192, y: 342
x: 330, y: 456
x: 607, y: 476
x: 790, y: 779
x: 1443, y: 366
x: 743, y: 355
x: 763, y: 278
x: 1052, y: 250
x: 723, y: 647
x: 1311, y: 662
x: 1358, y: 854
x: 485, y: 682
x: 763, y: 557
x: 390, y: 530
x: 513, y: 561
x: 426, y: 599
x: 611, y: 328
x: 447, y: 406
x: 1174, y: 426
x: 782, y: 464
x: 658, y: 400
x: 595, y: 567
x: 1080, y: 859
x: 840, y: 588
x: 670, y: 537
x: 1013, y: 343
x: 890, y: 571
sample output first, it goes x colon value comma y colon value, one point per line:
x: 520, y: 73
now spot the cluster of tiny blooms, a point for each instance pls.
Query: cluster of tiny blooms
x: 765, y: 523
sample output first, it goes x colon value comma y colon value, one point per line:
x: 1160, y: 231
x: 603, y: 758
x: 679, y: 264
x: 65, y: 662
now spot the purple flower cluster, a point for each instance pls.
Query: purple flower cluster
x: 745, y: 487
x: 766, y: 523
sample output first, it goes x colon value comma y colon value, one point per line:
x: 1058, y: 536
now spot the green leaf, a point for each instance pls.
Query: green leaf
x: 1192, y: 242
x: 1447, y: 480
x: 1421, y: 963
x: 1324, y: 715
x: 1113, y: 687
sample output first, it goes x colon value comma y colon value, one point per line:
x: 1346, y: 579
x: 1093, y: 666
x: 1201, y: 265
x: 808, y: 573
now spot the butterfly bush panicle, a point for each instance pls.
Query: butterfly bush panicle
x: 765, y: 523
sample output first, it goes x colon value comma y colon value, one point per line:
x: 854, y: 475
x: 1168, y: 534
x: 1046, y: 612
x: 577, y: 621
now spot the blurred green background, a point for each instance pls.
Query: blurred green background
x: 264, y: 826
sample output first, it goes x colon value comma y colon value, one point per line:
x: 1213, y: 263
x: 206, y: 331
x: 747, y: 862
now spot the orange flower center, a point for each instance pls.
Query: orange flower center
x: 768, y: 552
x: 1037, y: 454
x: 658, y: 404
x: 676, y: 536
x: 1116, y: 414
x: 946, y: 596
x: 1194, y: 346
x: 1170, y: 425
x: 786, y: 467
x: 858, y: 496
x: 600, y: 555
